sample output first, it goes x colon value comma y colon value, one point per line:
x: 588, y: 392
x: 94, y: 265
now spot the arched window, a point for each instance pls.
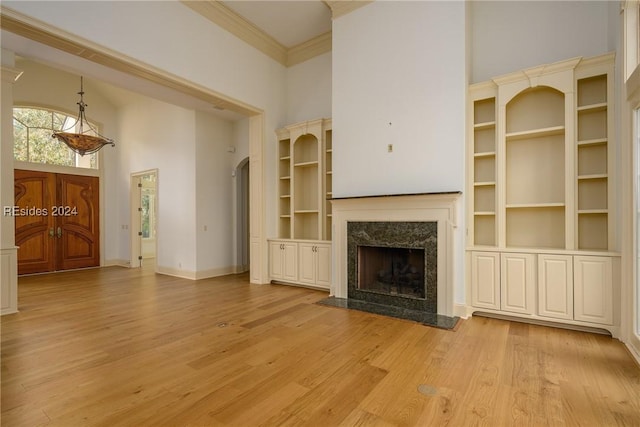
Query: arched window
x: 32, y: 141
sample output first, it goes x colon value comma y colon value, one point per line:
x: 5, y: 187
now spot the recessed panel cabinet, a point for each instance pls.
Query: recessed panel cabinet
x: 300, y: 262
x: 555, y: 286
x: 283, y: 260
x: 570, y: 289
x: 541, y: 192
x: 485, y: 280
x: 315, y: 264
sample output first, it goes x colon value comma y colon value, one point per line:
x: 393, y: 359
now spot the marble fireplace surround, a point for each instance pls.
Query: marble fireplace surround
x: 440, y: 208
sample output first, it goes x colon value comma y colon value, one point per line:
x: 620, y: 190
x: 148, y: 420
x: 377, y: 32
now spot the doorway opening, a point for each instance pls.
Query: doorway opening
x: 144, y: 217
x: 242, y: 216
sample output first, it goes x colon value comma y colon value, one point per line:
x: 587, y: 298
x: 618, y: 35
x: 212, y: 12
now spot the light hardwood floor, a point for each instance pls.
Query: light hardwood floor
x: 126, y: 347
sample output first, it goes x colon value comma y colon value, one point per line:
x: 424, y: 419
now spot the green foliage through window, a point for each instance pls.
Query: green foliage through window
x: 32, y: 141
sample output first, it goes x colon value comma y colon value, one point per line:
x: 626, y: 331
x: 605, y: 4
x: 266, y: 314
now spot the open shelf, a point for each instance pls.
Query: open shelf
x: 484, y: 230
x: 536, y: 227
x: 305, y: 149
x: 535, y: 133
x: 592, y: 231
x: 592, y: 124
x: 596, y: 141
x: 602, y: 106
x: 484, y: 140
x: 484, y: 169
x: 484, y: 175
x: 535, y: 171
x: 305, y: 164
x: 535, y: 110
x: 485, y: 125
x: 592, y: 194
x: 484, y: 199
x: 485, y: 154
x: 306, y: 226
x: 592, y: 91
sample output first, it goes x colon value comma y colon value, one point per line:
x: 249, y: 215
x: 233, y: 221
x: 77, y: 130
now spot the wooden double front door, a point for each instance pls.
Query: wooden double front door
x: 57, y: 221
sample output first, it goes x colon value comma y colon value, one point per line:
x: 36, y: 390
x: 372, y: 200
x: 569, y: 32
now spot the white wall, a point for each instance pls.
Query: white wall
x: 155, y: 134
x: 511, y: 35
x: 309, y: 90
x: 214, y: 195
x: 399, y: 78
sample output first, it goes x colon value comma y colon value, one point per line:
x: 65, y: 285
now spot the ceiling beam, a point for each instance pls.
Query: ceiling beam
x: 48, y: 35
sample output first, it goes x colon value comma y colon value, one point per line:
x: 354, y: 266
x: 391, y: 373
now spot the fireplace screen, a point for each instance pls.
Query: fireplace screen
x: 393, y: 271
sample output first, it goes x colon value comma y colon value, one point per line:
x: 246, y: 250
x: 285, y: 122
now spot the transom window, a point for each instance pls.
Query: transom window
x: 32, y: 141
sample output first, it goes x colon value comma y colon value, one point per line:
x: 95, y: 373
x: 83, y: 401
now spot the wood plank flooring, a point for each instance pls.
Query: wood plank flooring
x: 127, y: 347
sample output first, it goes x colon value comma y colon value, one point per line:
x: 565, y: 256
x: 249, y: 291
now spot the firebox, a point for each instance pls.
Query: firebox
x: 391, y: 271
x: 393, y: 263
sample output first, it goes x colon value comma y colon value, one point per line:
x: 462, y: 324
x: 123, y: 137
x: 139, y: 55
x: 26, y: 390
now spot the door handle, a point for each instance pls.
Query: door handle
x: 59, y: 232
x: 51, y: 232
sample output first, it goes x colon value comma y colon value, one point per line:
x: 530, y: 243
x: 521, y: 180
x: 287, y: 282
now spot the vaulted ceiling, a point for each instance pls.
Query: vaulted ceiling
x: 289, y: 31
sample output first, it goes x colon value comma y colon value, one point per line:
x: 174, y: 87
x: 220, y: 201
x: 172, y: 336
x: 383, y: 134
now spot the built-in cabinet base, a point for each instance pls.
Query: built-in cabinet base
x: 302, y: 262
x: 568, y: 288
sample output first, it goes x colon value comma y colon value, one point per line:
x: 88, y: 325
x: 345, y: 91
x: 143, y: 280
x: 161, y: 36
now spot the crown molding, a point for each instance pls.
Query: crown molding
x: 309, y: 49
x: 342, y: 7
x: 226, y: 18
x: 51, y: 36
x: 246, y: 31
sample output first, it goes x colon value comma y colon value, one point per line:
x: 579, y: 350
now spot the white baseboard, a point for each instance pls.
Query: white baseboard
x: 195, y: 275
x: 116, y: 262
x: 215, y: 272
x: 462, y: 311
x: 175, y: 272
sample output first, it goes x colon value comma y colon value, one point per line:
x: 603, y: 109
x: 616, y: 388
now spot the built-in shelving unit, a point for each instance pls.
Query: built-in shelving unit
x: 541, y: 224
x: 301, y: 252
x: 484, y: 166
x: 592, y: 177
x: 284, y: 185
x: 535, y: 168
x: 328, y: 179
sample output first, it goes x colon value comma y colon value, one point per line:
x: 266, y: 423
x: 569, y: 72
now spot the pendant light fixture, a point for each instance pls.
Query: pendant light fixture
x: 83, y: 142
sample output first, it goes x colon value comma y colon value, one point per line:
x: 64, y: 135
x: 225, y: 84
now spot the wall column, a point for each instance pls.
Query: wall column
x: 9, y: 251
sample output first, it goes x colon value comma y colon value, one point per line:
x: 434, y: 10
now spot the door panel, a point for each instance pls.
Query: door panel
x: 58, y: 226
x: 78, y: 220
x: 34, y: 193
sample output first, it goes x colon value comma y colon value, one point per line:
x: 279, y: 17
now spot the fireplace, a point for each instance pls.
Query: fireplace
x: 393, y: 263
x: 426, y: 222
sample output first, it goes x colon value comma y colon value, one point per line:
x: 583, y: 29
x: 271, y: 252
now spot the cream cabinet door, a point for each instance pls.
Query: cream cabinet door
x: 276, y: 261
x: 315, y: 264
x: 283, y: 260
x: 290, y: 258
x: 517, y: 283
x: 485, y: 280
x: 593, y: 289
x: 307, y: 263
x: 555, y: 286
x: 323, y: 265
